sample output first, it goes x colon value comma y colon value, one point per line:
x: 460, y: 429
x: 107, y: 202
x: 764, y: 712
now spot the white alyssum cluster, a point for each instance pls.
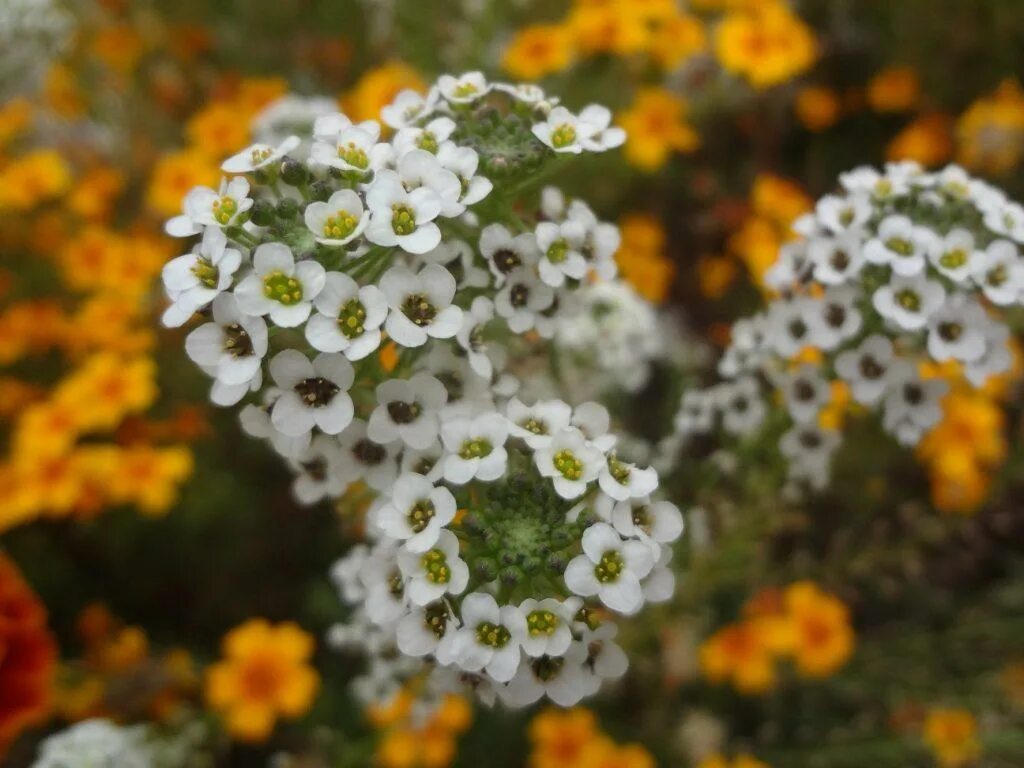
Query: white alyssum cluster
x: 96, y: 743
x: 899, y: 268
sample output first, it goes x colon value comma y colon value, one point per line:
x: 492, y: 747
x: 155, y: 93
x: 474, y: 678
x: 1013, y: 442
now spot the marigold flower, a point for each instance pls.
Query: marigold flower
x: 822, y: 637
x: 537, y: 51
x: 177, y: 173
x: 35, y: 178
x: 817, y: 107
x: 952, y: 736
x: 895, y: 89
x: 656, y: 127
x: 928, y: 140
x: 767, y: 45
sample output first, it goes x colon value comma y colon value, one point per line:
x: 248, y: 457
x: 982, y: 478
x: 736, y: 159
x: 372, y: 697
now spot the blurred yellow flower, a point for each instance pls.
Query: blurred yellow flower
x: 895, y: 89
x: 766, y: 44
x: 15, y: 118
x: 641, y: 256
x: 537, y: 51
x: 990, y: 134
x: 429, y: 745
x: 743, y: 654
x: 716, y: 274
x: 218, y: 130
x: 560, y: 737
x: 265, y: 675
x: 378, y: 88
x: 952, y: 736
x: 174, y: 175
x: 34, y: 178
x: 928, y: 140
x: 823, y: 639
x: 656, y: 127
x: 607, y: 26
x: 676, y: 38
x: 817, y: 107
x: 61, y: 92
x: 119, y: 46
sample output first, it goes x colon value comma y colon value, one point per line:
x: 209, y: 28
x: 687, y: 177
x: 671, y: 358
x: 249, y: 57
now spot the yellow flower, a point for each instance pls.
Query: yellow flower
x: 895, y: 89
x: 952, y: 736
x: 96, y: 192
x: 757, y: 244
x: 218, y: 130
x: 148, y: 477
x: 174, y: 175
x: 928, y: 140
x: 61, y: 92
x: 781, y: 200
x: 119, y: 46
x: 656, y: 127
x: 641, y: 257
x: 990, y: 134
x: 767, y: 45
x: 264, y: 675
x: 604, y: 753
x: 38, y: 177
x: 607, y: 26
x: 822, y: 636
x: 560, y: 738
x: 675, y: 39
x: 743, y: 654
x: 817, y: 107
x: 15, y: 118
x: 107, y: 387
x: 715, y: 275
x: 378, y: 87
x: 537, y: 51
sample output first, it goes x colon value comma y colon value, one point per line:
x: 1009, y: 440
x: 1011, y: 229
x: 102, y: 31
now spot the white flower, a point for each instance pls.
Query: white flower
x: 835, y: 318
x: 435, y: 573
x: 805, y: 391
x: 843, y: 214
x: 471, y: 336
x: 255, y: 422
x: 313, y: 393
x: 535, y: 424
x: 206, y: 208
x: 562, y: 679
x: 401, y: 218
x: 428, y: 138
x: 371, y: 462
x: 954, y: 255
x: 418, y: 168
x: 561, y: 246
x: 319, y: 472
x: 490, y: 637
x: 385, y: 583
x: 605, y: 658
x: 338, y: 221
x: 658, y: 521
x: 788, y: 325
x: 475, y: 446
x: 345, y: 573
x: 622, y: 480
x: 96, y: 743
x: 416, y: 512
x: 909, y: 301
x: 348, y: 317
x: 741, y: 405
x: 912, y: 406
x: 506, y: 253
x: 594, y: 421
x: 600, y: 135
x: 901, y: 245
x: 548, y: 625
x: 464, y: 89
x: 957, y: 331
x: 527, y: 93
x: 421, y: 305
x: 610, y: 569
x: 259, y: 156
x: 408, y: 411
x: 1007, y: 219
x: 881, y: 187
x: 999, y: 272
x: 696, y: 413
x: 192, y: 281
x: 836, y: 260
x: 429, y: 629
x: 865, y: 368
x: 809, y: 448
x: 522, y: 298
x: 406, y: 108
x: 570, y: 461
x: 233, y: 345
x: 353, y: 149
x: 564, y: 132
x: 997, y: 358
x: 463, y: 162
x: 279, y: 287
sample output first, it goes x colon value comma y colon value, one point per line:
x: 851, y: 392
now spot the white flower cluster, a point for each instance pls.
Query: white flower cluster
x: 96, y: 743
x: 501, y: 561
x: 900, y: 268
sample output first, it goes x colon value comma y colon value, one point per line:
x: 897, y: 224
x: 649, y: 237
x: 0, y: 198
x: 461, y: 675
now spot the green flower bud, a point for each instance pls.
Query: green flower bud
x: 293, y: 172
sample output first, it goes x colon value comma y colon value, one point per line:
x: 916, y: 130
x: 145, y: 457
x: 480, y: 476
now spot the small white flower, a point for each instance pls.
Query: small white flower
x: 369, y: 461
x: 563, y: 679
x: 233, y: 345
x: 901, y: 245
x: 742, y: 408
x: 279, y: 287
x: 204, y: 207
x: 353, y: 149
x: 563, y: 131
x: 865, y: 368
x: 957, y: 331
x: 600, y: 134
x: 505, y: 253
x: 696, y: 413
x: 435, y: 573
x: 657, y: 521
x: 490, y: 637
x: 605, y: 658
x: 314, y: 393
x: 527, y: 93
x: 595, y: 422
x: 421, y: 305
x: 348, y: 317
x: 622, y: 480
x: 416, y: 512
x: 954, y: 255
x: 464, y: 89
x: 843, y: 214
x: 805, y: 391
x: 463, y: 162
x: 909, y: 301
x: 192, y: 281
x: 836, y: 260
x: 338, y: 221
x: 522, y: 298
x: 345, y: 574
x: 259, y: 156
x: 420, y: 169
x: 999, y: 272
x: 255, y: 422
x: 881, y: 187
x: 570, y: 461
x: 429, y: 629
x: 809, y: 449
x: 385, y: 584
x: 428, y: 138
x: 471, y: 336
x: 610, y: 569
x: 836, y: 317
x: 996, y: 359
x: 548, y: 625
x: 402, y: 218
x: 476, y: 448
x: 406, y: 108
x: 408, y: 411
x: 561, y: 246
x: 535, y: 424
x: 912, y: 405
x: 1007, y: 219
x: 788, y: 325
x: 319, y: 473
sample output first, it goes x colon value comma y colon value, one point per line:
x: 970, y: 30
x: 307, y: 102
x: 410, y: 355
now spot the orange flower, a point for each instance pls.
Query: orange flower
x: 928, y: 140
x: 656, y: 127
x: 265, y: 674
x: 174, y: 175
x: 741, y: 653
x: 641, y: 257
x: 537, y: 51
x: 378, y: 88
x: 218, y: 130
x: 767, y: 44
x: 28, y: 655
x: 895, y: 89
x: 560, y: 738
x: 822, y: 637
x: 817, y: 107
x: 952, y: 736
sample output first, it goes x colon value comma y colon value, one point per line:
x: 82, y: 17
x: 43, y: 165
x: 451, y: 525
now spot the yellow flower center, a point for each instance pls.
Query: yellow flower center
x: 279, y: 287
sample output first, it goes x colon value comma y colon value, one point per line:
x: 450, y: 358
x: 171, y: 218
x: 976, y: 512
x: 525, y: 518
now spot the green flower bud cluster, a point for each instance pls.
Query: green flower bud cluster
x: 507, y: 148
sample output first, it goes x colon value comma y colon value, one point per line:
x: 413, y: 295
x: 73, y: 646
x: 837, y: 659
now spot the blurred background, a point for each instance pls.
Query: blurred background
x: 139, y: 526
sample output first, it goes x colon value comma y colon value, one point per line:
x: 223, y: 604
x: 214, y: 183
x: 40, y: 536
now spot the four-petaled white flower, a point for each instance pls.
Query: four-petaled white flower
x: 258, y: 156
x: 348, y: 317
x: 561, y: 246
x: 435, y: 573
x: 279, y: 286
x: 610, y: 569
x: 421, y: 305
x: 313, y: 393
x: 205, y: 207
x: 232, y: 346
x: 475, y: 447
x: 564, y: 132
x: 192, y: 281
x: 464, y: 89
x: 490, y: 637
x: 339, y: 220
x: 416, y: 512
x: 570, y: 461
x: 407, y: 410
x: 402, y: 218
